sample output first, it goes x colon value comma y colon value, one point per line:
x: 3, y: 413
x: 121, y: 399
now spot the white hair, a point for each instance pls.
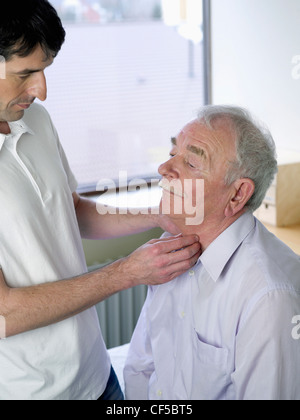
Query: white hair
x: 255, y: 149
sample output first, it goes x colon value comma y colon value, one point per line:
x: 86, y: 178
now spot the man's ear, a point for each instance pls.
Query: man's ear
x: 242, y: 191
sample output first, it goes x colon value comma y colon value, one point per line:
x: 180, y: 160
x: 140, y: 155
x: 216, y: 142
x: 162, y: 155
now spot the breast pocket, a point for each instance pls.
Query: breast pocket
x: 210, y: 378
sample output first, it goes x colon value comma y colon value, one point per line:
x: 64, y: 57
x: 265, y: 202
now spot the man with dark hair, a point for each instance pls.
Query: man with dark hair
x: 53, y: 347
x: 24, y: 25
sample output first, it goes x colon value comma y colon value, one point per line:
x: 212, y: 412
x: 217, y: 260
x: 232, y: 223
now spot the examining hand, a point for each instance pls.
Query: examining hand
x: 161, y: 260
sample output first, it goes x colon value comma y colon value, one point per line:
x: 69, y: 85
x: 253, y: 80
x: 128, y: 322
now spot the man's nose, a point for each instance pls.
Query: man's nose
x: 169, y: 169
x: 38, y: 86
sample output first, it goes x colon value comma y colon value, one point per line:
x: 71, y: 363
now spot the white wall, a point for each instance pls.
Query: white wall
x: 253, y: 45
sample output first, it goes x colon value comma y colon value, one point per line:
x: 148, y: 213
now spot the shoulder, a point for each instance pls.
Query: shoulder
x: 268, y: 278
x: 279, y: 265
x: 261, y: 268
x: 39, y: 121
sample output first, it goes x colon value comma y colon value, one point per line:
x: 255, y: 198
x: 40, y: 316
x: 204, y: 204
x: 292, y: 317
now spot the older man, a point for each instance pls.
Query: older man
x: 223, y: 331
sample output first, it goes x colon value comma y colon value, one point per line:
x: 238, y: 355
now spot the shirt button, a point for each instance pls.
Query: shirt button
x: 182, y: 314
x: 191, y: 273
x: 159, y: 393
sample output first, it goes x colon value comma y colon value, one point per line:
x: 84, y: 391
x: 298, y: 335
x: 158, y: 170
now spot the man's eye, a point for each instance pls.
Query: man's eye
x: 189, y: 164
x: 24, y: 77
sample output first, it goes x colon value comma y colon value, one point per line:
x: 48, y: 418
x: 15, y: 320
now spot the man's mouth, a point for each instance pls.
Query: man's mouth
x: 24, y: 106
x: 24, y: 103
x: 172, y: 188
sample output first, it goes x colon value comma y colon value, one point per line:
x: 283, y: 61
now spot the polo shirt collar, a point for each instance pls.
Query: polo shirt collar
x: 17, y: 128
x: 219, y: 252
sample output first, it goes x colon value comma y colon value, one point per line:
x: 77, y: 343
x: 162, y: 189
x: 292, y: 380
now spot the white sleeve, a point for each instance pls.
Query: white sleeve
x: 73, y: 184
x: 139, y: 366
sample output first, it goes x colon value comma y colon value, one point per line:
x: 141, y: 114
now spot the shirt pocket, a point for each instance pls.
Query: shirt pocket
x: 210, y: 378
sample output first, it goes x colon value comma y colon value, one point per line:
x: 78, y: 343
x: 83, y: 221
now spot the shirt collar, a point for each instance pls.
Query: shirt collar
x: 217, y: 255
x: 17, y: 128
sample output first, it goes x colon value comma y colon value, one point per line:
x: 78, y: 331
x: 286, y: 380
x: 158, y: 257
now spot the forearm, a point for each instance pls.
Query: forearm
x: 26, y: 309
x: 29, y: 308
x: 100, y: 222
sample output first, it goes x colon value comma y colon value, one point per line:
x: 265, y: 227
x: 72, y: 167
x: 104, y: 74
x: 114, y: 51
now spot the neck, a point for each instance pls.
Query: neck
x: 210, y: 229
x: 4, y: 127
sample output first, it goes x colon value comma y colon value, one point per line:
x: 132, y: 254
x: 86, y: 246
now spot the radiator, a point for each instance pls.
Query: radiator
x: 118, y: 315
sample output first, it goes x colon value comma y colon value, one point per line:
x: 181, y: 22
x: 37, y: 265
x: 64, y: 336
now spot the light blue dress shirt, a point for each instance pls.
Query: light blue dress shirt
x: 224, y: 330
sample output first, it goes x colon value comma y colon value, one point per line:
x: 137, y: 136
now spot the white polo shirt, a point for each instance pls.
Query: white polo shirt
x: 40, y: 242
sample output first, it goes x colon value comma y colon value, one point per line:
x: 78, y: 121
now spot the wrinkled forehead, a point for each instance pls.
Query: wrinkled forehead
x: 192, y: 129
x: 217, y: 141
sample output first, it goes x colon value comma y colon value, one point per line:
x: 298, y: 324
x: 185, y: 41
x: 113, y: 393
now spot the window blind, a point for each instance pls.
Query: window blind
x: 119, y: 90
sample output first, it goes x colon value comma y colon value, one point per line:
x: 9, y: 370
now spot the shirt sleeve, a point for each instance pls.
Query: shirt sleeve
x: 267, y: 354
x: 73, y: 184
x: 139, y: 366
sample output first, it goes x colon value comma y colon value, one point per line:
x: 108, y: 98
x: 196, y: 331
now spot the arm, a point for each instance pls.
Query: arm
x: 34, y: 307
x: 112, y: 224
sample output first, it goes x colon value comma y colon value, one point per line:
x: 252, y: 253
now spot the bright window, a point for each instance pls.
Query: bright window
x: 129, y: 76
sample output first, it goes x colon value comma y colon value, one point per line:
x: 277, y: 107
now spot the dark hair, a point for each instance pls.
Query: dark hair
x: 26, y: 23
